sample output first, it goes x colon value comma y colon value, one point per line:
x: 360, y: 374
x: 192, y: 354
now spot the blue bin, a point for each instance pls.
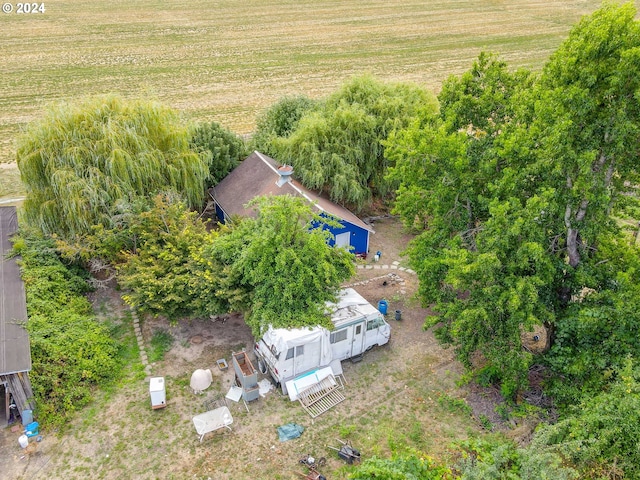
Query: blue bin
x: 31, y: 430
x: 382, y: 307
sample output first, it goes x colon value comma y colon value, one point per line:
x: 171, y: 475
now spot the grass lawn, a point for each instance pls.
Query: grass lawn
x: 228, y: 60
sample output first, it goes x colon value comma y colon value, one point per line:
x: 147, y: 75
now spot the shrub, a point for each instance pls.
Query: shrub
x: 71, y: 352
x: 224, y: 149
x: 405, y: 466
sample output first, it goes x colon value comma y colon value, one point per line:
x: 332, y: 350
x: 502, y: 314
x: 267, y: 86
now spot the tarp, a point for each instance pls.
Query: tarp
x: 289, y: 431
x: 350, y: 306
x: 282, y: 339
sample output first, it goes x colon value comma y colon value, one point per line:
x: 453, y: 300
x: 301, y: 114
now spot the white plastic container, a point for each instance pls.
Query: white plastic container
x: 23, y: 440
x: 157, y: 392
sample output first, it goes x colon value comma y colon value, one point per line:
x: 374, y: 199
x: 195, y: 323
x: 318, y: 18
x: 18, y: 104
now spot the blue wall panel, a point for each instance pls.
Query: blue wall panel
x: 220, y: 214
x: 359, y: 236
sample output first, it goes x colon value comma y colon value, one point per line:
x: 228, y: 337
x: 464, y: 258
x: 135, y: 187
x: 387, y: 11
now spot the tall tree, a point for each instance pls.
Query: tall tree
x: 446, y: 165
x: 586, y: 123
x: 338, y: 148
x: 586, y: 127
x: 224, y: 149
x: 278, y: 270
x: 165, y: 272
x: 542, y: 171
x: 280, y: 120
x: 81, y: 160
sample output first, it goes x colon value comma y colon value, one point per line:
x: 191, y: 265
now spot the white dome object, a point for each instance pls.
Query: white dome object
x: 200, y: 380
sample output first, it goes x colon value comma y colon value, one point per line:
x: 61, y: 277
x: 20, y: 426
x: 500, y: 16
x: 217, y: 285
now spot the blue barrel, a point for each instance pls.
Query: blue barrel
x: 382, y: 306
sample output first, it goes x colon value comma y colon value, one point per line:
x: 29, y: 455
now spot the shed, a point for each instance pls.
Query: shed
x: 15, y: 352
x: 260, y: 175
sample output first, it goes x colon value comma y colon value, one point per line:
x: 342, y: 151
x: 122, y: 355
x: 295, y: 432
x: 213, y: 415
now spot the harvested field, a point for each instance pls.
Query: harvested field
x: 227, y: 61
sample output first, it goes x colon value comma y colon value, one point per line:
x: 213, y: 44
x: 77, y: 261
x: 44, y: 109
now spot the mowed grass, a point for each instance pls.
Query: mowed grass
x: 10, y: 185
x: 228, y: 60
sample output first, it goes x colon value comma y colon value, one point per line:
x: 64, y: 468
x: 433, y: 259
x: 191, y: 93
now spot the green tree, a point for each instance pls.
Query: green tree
x: 278, y: 270
x: 166, y: 274
x: 338, y: 148
x: 81, y: 160
x: 601, y: 436
x: 279, y: 121
x: 578, y: 152
x: 532, y: 190
x: 224, y: 149
x: 445, y: 161
x: 446, y: 165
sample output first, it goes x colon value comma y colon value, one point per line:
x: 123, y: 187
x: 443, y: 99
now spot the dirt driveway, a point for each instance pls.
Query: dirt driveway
x: 402, y: 394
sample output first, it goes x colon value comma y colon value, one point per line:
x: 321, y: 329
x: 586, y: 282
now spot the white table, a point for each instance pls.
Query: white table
x: 212, y: 420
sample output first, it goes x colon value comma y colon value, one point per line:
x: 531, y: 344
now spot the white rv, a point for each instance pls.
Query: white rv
x: 289, y: 353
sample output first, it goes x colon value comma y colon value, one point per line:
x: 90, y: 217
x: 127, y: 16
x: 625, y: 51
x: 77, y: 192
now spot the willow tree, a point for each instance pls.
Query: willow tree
x: 82, y: 160
x: 280, y: 120
x: 338, y: 148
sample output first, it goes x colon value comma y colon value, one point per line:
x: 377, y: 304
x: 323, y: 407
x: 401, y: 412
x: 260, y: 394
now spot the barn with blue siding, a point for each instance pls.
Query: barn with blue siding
x: 260, y: 175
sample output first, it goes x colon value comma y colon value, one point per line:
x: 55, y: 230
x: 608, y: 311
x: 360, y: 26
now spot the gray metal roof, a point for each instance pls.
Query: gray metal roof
x: 15, y: 353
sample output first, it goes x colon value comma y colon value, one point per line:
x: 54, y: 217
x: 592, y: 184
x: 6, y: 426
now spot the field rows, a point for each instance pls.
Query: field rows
x: 228, y: 60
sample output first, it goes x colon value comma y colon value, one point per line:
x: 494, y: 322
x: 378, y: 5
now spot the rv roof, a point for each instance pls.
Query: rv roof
x: 351, y: 305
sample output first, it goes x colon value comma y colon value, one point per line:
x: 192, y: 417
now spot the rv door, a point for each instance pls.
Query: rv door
x: 299, y: 360
x: 357, y: 340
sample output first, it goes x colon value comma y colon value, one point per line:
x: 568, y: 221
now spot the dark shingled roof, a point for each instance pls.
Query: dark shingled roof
x: 15, y: 353
x: 258, y: 175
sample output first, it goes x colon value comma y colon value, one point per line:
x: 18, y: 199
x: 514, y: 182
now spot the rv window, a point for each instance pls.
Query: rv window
x: 338, y: 336
x: 275, y: 353
x: 375, y: 323
x: 289, y: 354
x: 358, y: 329
x: 299, y: 350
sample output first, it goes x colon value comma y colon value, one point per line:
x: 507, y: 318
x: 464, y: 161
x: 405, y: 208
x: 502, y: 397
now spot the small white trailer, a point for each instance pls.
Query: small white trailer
x: 290, y: 353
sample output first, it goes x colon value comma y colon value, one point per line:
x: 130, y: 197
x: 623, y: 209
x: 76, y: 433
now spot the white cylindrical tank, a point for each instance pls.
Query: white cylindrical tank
x: 157, y: 392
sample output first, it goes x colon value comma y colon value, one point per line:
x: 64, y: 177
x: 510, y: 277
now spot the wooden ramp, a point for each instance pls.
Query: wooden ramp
x: 322, y: 396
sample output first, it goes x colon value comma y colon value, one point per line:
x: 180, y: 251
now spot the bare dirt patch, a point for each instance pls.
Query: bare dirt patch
x: 404, y: 393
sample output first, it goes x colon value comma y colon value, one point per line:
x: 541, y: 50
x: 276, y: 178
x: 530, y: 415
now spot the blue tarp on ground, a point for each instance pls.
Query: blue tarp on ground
x: 289, y: 431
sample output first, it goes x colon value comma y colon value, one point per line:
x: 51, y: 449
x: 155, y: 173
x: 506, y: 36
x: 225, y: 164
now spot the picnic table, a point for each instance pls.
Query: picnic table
x: 212, y: 420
